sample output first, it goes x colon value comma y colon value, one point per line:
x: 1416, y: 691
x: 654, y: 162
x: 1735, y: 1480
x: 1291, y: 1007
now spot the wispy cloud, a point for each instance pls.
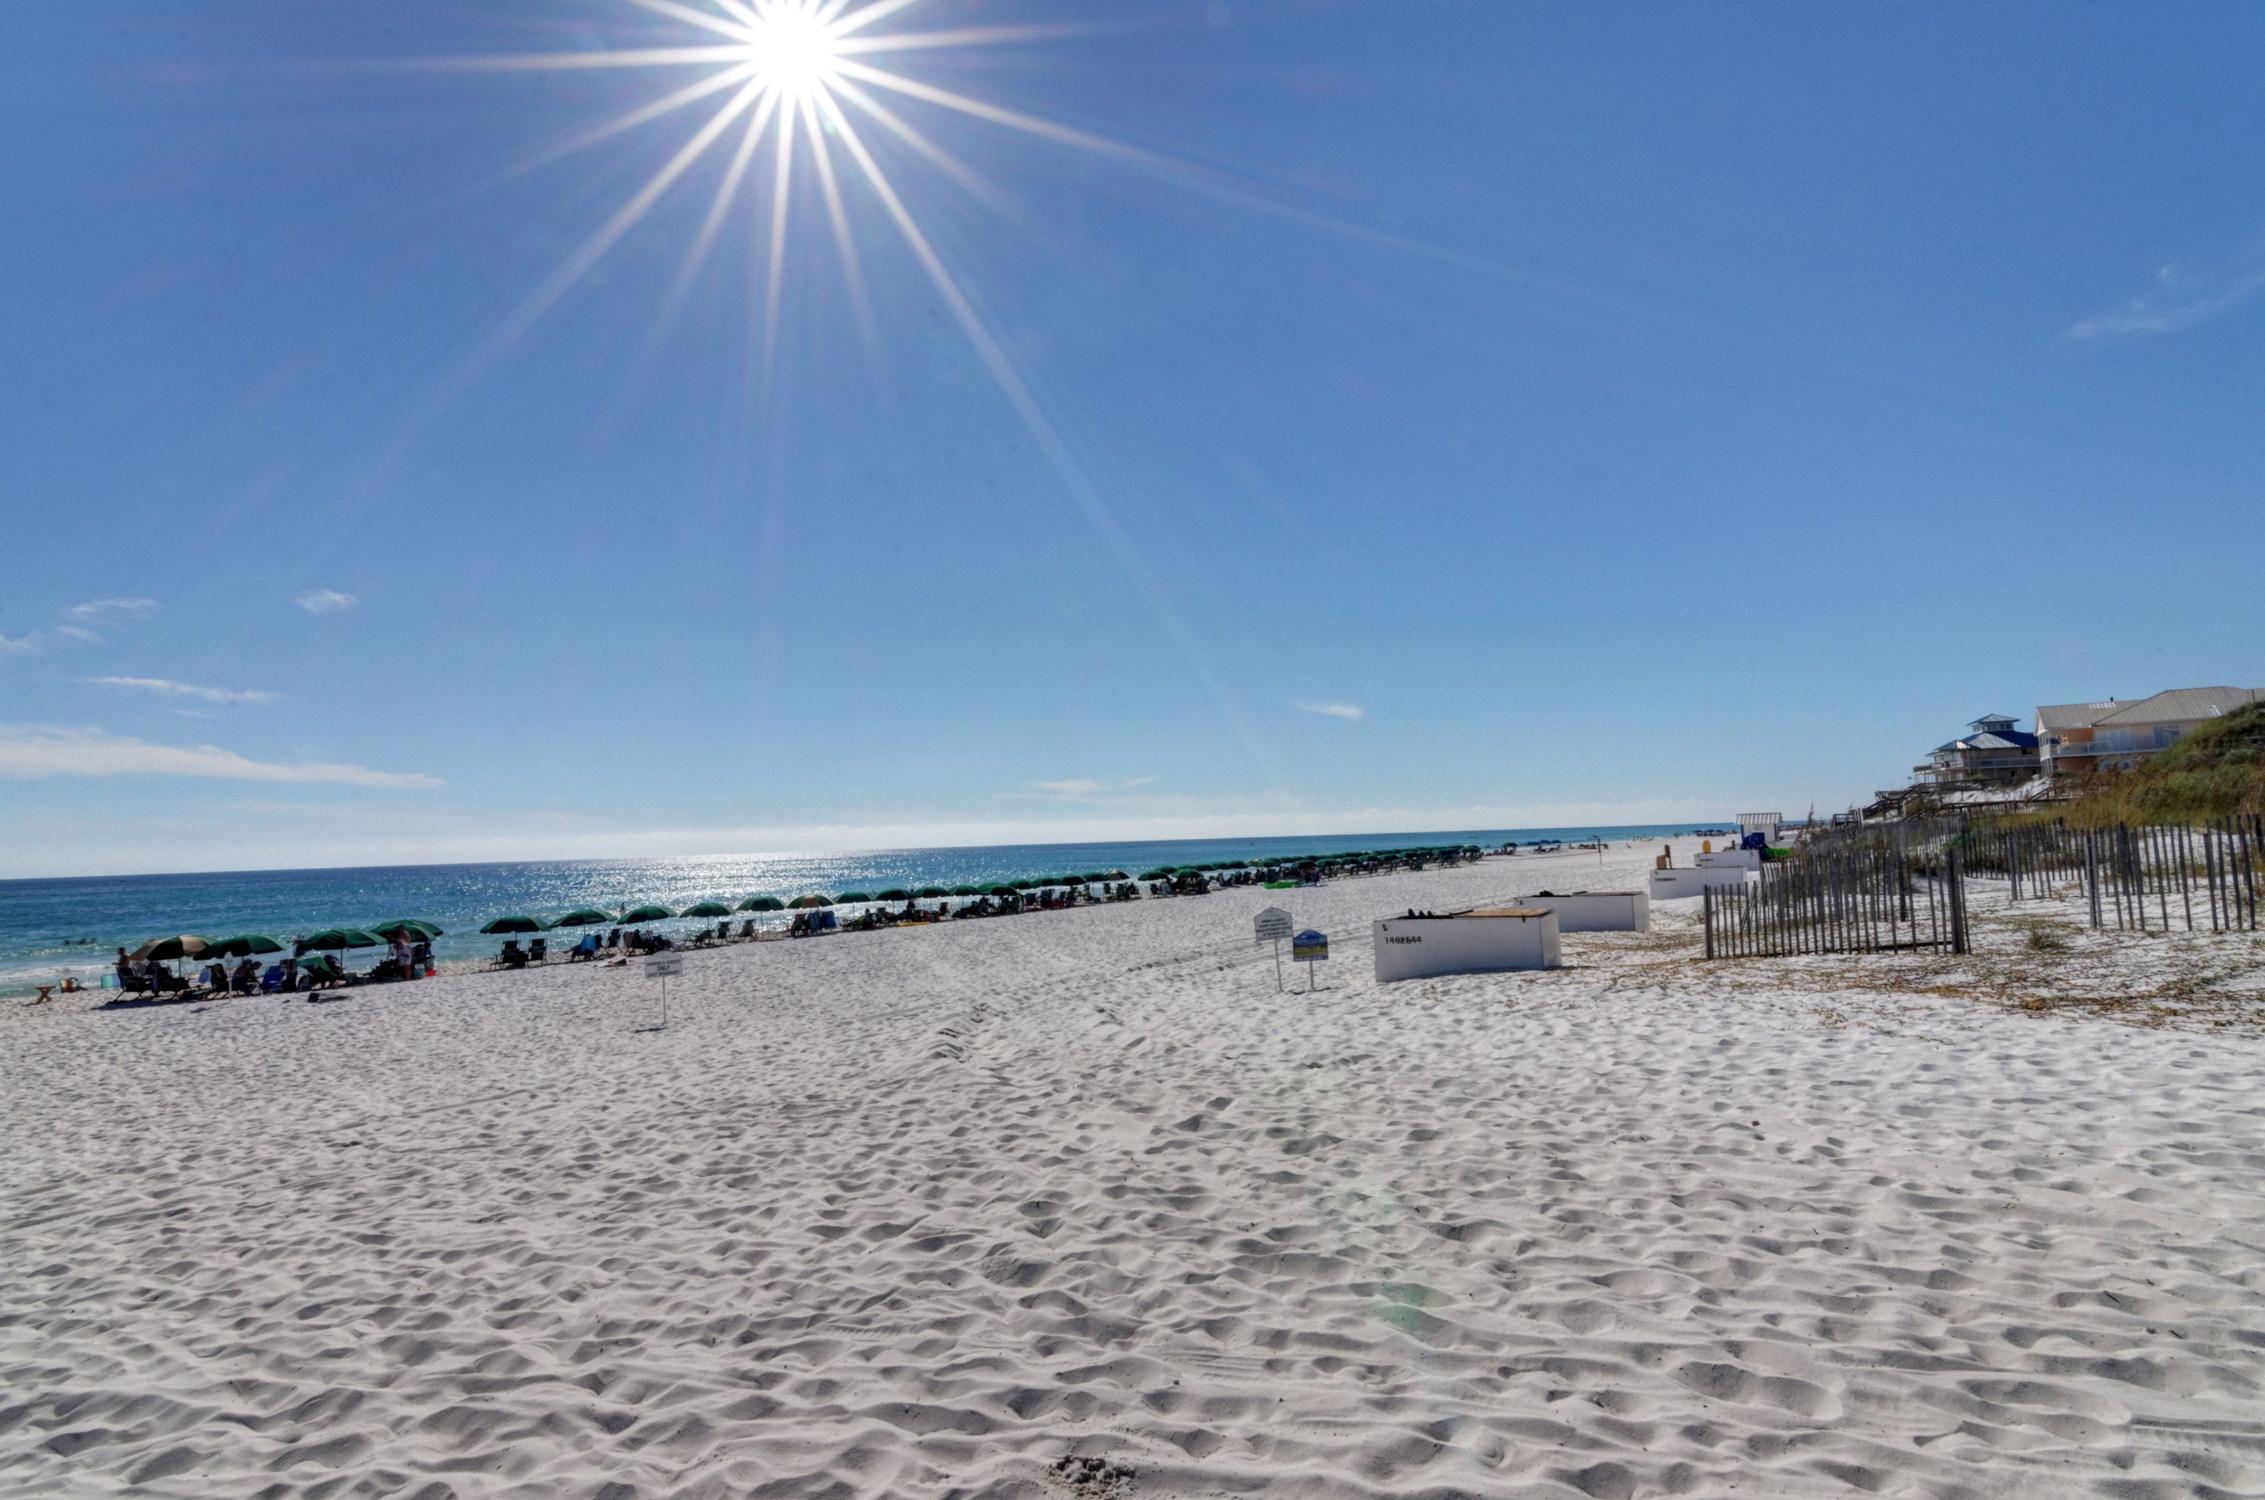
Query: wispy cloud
x: 77, y: 633
x: 17, y: 645
x: 2179, y: 299
x: 1081, y: 788
x: 103, y: 609
x: 33, y: 752
x: 325, y: 601
x: 1334, y: 710
x: 166, y: 689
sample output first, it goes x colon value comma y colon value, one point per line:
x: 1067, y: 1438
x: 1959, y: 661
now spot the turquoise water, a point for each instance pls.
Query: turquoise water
x: 43, y: 922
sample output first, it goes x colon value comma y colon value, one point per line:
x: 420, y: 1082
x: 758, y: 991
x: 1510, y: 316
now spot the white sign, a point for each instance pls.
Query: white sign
x: 1273, y: 925
x: 661, y: 965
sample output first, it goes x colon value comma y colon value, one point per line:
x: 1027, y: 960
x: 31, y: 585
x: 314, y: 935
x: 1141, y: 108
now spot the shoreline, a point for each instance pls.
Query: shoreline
x: 461, y: 898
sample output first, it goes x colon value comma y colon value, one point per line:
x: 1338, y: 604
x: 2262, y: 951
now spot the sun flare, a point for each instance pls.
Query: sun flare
x: 778, y: 94
x: 792, y: 48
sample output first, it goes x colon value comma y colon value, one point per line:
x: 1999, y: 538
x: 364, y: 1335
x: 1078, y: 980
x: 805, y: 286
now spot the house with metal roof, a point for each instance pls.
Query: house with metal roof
x: 2117, y: 734
x: 1991, y: 753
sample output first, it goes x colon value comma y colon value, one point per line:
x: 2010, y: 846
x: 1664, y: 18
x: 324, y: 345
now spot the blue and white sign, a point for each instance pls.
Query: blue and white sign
x: 1310, y: 947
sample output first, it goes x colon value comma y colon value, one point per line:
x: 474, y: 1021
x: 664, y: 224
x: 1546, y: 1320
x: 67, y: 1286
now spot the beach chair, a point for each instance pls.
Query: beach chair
x: 583, y: 951
x: 271, y: 982
x: 539, y: 951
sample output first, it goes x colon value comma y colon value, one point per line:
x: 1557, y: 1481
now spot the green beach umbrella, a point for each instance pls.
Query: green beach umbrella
x: 894, y: 895
x: 851, y: 898
x: 245, y: 946
x: 1022, y: 885
x: 1000, y: 890
x: 410, y: 925
x: 967, y: 890
x: 515, y: 923
x: 340, y: 938
x: 931, y: 892
x: 808, y: 903
x: 706, y: 909
x: 646, y: 914
x: 584, y: 916
x: 762, y: 903
x: 164, y: 949
x: 1157, y: 875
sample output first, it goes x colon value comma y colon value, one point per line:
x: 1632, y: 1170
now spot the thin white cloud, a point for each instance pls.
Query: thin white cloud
x: 325, y: 601
x: 103, y: 609
x: 166, y: 689
x: 1334, y: 710
x: 1076, y: 786
x: 2179, y: 300
x: 33, y: 752
x: 78, y: 633
x: 18, y: 645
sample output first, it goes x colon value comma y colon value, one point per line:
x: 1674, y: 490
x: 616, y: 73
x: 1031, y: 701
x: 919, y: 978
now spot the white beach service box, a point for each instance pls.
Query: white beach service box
x: 1678, y: 885
x: 1466, y: 942
x: 1595, y: 911
x: 1730, y: 859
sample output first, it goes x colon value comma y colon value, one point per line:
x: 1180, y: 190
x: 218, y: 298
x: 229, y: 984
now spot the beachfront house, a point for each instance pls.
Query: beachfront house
x: 1991, y: 753
x: 2115, y: 735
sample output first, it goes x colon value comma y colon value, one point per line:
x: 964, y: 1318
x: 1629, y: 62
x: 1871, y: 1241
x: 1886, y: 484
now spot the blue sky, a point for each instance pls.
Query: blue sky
x: 1438, y: 414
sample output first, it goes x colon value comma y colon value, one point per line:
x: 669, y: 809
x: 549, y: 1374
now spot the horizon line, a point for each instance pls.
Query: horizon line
x: 878, y: 850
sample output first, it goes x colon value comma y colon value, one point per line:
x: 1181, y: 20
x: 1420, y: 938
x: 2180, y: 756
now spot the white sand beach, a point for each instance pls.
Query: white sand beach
x: 1076, y: 1204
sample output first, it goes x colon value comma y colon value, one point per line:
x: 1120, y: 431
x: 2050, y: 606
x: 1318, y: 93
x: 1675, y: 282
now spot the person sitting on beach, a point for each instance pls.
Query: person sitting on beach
x: 246, y: 979
x: 71, y: 985
x: 125, y: 971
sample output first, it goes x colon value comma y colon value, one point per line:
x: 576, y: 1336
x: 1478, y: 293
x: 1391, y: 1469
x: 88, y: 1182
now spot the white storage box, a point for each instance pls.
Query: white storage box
x: 1466, y: 942
x: 1680, y: 885
x: 1596, y: 911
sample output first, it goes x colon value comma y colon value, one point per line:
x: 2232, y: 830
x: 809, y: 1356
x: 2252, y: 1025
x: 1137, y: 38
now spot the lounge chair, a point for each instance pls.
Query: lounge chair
x: 583, y: 951
x: 271, y: 982
x: 539, y: 951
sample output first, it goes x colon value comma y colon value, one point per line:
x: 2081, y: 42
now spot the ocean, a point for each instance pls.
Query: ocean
x: 50, y: 928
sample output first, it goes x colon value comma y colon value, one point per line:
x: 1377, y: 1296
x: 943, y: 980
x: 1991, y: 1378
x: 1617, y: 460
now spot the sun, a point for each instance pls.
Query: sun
x: 792, y: 49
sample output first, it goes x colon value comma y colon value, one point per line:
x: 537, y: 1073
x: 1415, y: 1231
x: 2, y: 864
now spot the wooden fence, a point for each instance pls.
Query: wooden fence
x: 1875, y: 892
x: 2150, y: 878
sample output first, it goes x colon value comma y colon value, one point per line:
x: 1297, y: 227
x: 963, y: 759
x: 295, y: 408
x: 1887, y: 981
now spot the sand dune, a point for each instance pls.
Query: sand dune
x: 1077, y: 1205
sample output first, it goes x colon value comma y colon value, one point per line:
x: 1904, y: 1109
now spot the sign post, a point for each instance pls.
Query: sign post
x: 1310, y: 948
x: 660, y: 966
x: 1273, y: 926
